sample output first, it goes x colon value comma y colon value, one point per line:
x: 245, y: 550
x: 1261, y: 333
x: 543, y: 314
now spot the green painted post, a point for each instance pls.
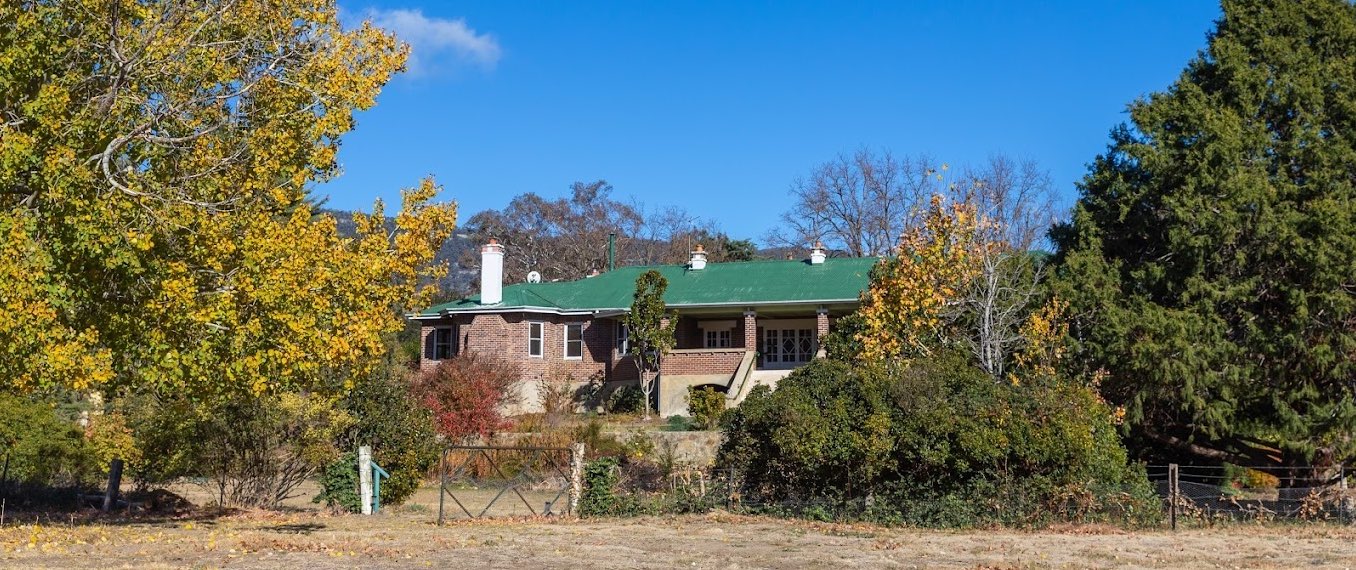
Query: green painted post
x: 377, y: 474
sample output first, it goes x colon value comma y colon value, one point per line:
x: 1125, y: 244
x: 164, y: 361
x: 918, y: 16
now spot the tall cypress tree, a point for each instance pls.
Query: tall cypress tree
x: 1211, y: 258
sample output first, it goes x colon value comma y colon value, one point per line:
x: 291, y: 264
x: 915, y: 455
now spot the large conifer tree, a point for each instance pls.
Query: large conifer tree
x: 1211, y: 259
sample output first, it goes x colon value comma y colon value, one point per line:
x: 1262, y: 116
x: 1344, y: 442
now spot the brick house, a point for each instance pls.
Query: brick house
x: 740, y: 324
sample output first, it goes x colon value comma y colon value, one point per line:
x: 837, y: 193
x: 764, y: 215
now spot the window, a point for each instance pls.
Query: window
x: 716, y: 334
x: 718, y: 339
x: 534, y: 339
x: 574, y: 341
x: 444, y: 343
x: 623, y: 338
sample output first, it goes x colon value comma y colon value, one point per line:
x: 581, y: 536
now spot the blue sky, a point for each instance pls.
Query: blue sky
x: 719, y: 106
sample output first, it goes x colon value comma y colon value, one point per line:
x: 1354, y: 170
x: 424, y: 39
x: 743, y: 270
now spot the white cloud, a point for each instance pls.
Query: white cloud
x: 432, y: 40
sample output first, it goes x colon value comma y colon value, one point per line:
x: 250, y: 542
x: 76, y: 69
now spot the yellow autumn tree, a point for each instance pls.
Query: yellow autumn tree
x: 156, y: 160
x: 36, y: 343
x: 904, y: 312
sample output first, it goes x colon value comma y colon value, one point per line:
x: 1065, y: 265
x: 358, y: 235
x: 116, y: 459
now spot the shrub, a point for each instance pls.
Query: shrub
x: 626, y: 400
x: 843, y: 343
x: 110, y: 438
x: 1245, y: 478
x: 251, y: 451
x: 40, y: 448
x: 389, y: 418
x: 339, y: 485
x: 706, y: 405
x: 600, y: 494
x: 935, y: 442
x: 557, y: 395
x: 679, y: 423
x: 468, y: 394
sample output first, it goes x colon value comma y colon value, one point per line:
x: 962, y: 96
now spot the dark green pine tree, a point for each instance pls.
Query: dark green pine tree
x: 1211, y: 259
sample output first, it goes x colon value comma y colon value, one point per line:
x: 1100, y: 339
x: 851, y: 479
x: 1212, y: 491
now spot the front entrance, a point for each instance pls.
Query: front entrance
x: 787, y: 347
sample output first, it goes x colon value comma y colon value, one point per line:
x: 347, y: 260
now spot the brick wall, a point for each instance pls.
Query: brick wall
x: 702, y: 361
x: 687, y: 334
x: 504, y: 336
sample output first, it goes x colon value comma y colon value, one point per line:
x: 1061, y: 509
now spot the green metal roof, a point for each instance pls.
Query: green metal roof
x: 733, y: 283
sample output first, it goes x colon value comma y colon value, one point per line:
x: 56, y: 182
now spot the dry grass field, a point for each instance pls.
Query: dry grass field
x: 407, y: 538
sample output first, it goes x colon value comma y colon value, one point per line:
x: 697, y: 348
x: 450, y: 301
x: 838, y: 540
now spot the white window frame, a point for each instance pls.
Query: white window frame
x: 717, y: 338
x: 565, y: 341
x: 623, y: 338
x: 540, y: 338
x: 450, y: 342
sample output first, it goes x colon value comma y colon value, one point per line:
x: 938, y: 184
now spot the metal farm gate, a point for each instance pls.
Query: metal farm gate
x: 485, y: 481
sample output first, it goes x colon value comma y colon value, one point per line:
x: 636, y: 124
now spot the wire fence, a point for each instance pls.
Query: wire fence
x: 1190, y: 495
x: 638, y: 490
x: 1208, y: 494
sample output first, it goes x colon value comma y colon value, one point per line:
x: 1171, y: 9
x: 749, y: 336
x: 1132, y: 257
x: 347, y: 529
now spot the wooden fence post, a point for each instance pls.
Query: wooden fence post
x: 576, y: 477
x: 114, y: 483
x: 365, y: 478
x: 1173, y: 490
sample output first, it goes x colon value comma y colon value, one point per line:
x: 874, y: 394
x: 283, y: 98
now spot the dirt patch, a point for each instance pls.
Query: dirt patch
x: 409, y: 539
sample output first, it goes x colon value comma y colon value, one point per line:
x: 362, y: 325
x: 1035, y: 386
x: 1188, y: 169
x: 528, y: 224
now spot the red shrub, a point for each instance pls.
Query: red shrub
x: 467, y: 395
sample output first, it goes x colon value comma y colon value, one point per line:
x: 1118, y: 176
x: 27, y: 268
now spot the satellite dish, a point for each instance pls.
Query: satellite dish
x: 533, y: 277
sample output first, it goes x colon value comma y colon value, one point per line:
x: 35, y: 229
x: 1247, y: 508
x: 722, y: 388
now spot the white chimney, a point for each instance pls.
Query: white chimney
x: 491, y: 273
x: 698, y: 258
x: 817, y: 254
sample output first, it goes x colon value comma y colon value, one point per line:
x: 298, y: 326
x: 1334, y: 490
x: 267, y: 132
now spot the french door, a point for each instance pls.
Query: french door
x: 788, y: 346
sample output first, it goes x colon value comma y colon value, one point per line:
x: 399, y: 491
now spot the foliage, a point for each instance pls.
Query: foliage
x: 388, y: 417
x: 904, y: 312
x: 339, y: 485
x: 467, y: 395
x: 599, y: 443
x: 627, y: 399
x: 41, y: 448
x: 935, y: 442
x: 157, y: 197
x: 36, y: 348
x: 251, y: 452
x: 600, y: 497
x: 706, y: 405
x: 842, y: 342
x: 1246, y: 478
x: 160, y: 243
x: 650, y: 325
x: 1209, y: 261
x: 558, y: 394
x: 733, y: 250
x: 956, y: 282
x: 110, y: 438
x: 679, y: 423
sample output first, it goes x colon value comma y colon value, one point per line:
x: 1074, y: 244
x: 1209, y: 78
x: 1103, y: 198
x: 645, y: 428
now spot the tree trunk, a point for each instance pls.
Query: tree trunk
x: 646, y: 386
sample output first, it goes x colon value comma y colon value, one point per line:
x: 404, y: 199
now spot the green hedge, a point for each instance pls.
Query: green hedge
x: 935, y: 442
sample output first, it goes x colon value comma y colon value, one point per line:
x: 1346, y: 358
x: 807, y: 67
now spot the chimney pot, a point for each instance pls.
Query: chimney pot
x: 818, y: 254
x: 698, y: 261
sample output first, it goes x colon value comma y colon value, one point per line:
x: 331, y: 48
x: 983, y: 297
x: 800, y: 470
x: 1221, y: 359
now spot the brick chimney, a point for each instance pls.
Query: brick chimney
x: 491, y: 273
x: 698, y: 262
